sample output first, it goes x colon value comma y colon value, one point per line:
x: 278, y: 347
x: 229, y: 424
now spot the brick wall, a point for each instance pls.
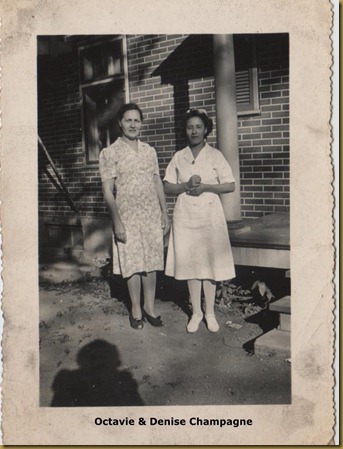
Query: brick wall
x: 167, y: 75
x: 60, y: 128
x: 264, y: 139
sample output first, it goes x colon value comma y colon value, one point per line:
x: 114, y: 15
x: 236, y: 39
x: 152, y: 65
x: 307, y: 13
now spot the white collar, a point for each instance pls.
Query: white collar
x: 188, y: 155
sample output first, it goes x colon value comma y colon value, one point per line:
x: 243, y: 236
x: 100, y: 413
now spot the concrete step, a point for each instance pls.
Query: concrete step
x: 276, y: 341
x: 282, y: 305
x: 64, y: 270
x: 62, y: 253
x: 285, y: 322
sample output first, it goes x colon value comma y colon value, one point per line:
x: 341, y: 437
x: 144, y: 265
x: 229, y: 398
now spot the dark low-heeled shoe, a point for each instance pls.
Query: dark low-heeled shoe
x: 136, y: 323
x: 157, y: 322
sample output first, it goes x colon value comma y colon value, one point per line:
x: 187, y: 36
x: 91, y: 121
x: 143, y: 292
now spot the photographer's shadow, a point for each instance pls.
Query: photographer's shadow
x: 97, y: 382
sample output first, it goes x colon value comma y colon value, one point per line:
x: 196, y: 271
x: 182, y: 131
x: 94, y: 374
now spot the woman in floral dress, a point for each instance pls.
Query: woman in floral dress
x: 199, y: 248
x: 138, y: 211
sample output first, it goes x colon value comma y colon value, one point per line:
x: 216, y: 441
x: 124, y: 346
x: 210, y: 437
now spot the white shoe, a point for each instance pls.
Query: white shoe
x: 212, y: 324
x: 193, y: 325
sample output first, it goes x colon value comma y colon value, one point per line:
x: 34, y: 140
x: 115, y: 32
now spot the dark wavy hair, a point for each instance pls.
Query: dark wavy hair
x: 129, y: 107
x: 202, y: 114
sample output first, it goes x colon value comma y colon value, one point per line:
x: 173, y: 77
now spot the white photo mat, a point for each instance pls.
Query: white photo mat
x: 310, y: 418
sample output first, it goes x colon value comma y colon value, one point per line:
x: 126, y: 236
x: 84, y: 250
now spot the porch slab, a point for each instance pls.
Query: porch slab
x: 265, y: 242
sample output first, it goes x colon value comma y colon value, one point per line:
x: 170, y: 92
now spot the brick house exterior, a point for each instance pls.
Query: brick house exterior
x: 165, y: 75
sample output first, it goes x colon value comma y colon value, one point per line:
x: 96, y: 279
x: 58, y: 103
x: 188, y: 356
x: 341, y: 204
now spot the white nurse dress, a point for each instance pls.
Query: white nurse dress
x: 199, y: 245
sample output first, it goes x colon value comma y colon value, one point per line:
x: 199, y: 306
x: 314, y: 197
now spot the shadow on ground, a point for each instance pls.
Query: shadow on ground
x: 98, y: 380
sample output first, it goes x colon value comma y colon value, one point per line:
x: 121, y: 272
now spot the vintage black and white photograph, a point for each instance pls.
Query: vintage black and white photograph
x: 178, y: 147
x: 168, y: 235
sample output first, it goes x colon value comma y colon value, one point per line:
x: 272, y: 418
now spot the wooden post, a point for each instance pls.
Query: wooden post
x: 226, y: 110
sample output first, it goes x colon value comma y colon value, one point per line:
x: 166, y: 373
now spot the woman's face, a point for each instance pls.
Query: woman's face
x: 131, y: 124
x: 195, y: 131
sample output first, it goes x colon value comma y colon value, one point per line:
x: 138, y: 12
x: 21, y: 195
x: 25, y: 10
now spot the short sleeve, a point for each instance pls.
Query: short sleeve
x: 223, y: 169
x: 155, y: 162
x: 171, y: 172
x: 107, y: 164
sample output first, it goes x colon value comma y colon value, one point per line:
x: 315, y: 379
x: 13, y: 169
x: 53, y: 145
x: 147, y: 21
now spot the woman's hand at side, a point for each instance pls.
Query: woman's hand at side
x: 162, y: 200
x: 119, y: 230
x: 165, y: 222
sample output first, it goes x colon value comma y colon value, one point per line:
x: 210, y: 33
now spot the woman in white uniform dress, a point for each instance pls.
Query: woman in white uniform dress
x: 199, y: 248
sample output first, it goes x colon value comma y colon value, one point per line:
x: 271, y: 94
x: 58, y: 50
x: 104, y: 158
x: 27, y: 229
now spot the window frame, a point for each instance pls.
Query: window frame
x: 253, y: 107
x: 83, y: 86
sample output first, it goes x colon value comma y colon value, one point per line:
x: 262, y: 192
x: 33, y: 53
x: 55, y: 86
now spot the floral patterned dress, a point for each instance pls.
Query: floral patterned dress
x: 138, y: 206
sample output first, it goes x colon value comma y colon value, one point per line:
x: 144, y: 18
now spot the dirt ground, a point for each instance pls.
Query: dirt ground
x: 90, y: 356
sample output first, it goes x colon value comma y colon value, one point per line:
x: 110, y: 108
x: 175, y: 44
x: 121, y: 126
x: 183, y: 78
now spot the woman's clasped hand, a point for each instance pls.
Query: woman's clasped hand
x: 194, y: 186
